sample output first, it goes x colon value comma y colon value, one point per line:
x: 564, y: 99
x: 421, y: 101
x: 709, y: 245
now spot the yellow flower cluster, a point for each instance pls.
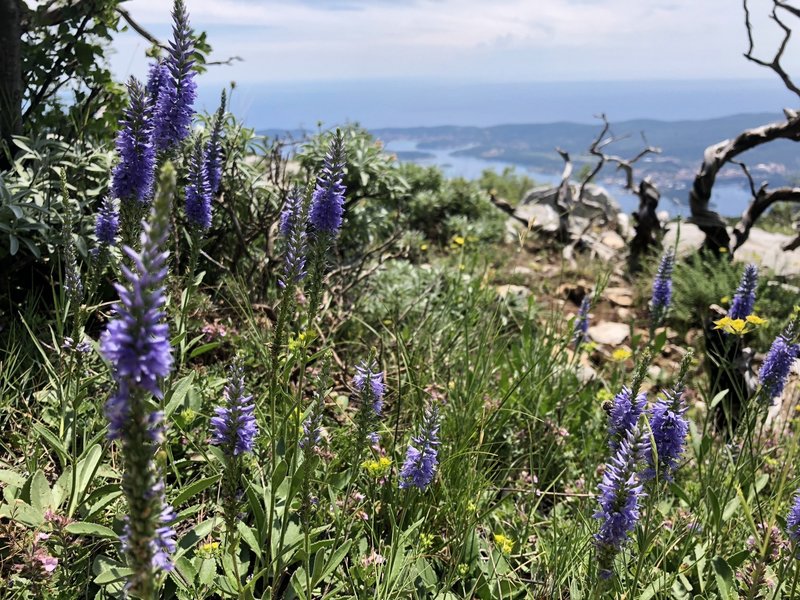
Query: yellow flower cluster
x: 377, y: 468
x: 208, y: 549
x: 739, y: 326
x: 621, y: 354
x: 503, y: 543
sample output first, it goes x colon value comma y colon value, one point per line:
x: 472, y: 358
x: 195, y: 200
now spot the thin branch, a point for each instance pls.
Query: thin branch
x: 762, y: 201
x: 123, y: 12
x: 775, y: 63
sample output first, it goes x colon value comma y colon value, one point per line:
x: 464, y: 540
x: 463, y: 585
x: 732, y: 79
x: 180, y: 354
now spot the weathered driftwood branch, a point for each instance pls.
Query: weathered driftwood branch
x: 718, y: 155
x: 564, y: 198
x: 648, y: 230
x: 763, y: 199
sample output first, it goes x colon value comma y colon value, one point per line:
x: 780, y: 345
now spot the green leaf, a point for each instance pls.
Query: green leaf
x: 86, y: 472
x: 208, y: 571
x: 195, y: 488
x: 11, y: 478
x: 659, y: 583
x: 55, y: 444
x: 336, y: 558
x: 179, y: 392
x: 730, y: 508
x: 249, y: 537
x: 203, y: 349
x: 724, y: 576
x: 717, y: 399
x: 39, y: 492
x: 22, y: 512
x: 91, y: 530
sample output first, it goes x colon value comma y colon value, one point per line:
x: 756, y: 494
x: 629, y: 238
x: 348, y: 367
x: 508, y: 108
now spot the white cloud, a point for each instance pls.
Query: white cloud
x: 461, y: 39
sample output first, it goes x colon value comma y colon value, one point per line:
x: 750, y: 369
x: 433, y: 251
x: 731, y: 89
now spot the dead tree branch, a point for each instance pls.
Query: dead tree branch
x: 648, y: 230
x: 763, y: 199
x: 718, y: 155
x: 564, y: 197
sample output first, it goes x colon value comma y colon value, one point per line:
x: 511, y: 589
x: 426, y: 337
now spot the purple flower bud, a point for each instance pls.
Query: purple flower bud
x: 132, y: 179
x: 421, y: 460
x: 369, y: 382
x: 775, y: 370
x: 623, y: 416
x: 745, y: 297
x: 213, y: 152
x: 793, y: 521
x: 327, y: 203
x: 662, y: 289
x: 106, y: 224
x: 581, y: 327
x: 621, y: 493
x: 234, y: 426
x: 176, y: 94
x: 293, y: 230
x: 198, y: 192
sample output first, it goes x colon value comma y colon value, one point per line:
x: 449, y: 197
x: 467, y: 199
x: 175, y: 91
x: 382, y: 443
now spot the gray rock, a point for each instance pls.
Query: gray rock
x: 611, y: 334
x: 762, y: 247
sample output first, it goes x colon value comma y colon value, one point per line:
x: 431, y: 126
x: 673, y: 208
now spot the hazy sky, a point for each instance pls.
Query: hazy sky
x: 463, y: 40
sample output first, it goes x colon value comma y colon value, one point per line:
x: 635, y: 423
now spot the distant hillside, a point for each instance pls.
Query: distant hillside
x: 682, y: 144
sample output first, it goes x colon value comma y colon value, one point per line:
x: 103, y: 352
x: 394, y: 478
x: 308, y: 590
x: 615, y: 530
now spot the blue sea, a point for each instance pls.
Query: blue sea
x: 392, y: 103
x: 731, y: 199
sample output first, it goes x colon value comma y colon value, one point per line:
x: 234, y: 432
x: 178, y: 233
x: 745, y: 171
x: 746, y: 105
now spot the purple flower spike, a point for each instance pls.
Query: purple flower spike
x: 106, y: 224
x: 670, y: 426
x: 745, y: 297
x: 234, y: 426
x: 213, y: 152
x: 662, y: 289
x: 293, y: 231
x: 775, y: 370
x: 421, y: 462
x: 369, y: 382
x: 621, y: 493
x: 157, y: 75
x: 623, y: 416
x: 174, y: 104
x: 327, y: 202
x: 198, y: 192
x: 132, y: 179
x: 582, y: 321
x: 136, y: 341
x: 793, y: 521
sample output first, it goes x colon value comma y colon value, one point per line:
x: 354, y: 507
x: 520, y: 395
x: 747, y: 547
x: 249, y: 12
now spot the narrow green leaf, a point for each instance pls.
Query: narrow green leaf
x: 195, y: 488
x: 91, y: 530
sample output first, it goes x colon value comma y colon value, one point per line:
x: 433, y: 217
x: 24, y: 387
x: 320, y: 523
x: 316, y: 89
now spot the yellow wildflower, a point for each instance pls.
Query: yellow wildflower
x: 503, y: 543
x: 208, y: 549
x: 377, y: 468
x: 755, y: 320
x: 423, y: 247
x: 621, y: 354
x: 734, y: 326
x: 296, y: 343
x: 458, y: 240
